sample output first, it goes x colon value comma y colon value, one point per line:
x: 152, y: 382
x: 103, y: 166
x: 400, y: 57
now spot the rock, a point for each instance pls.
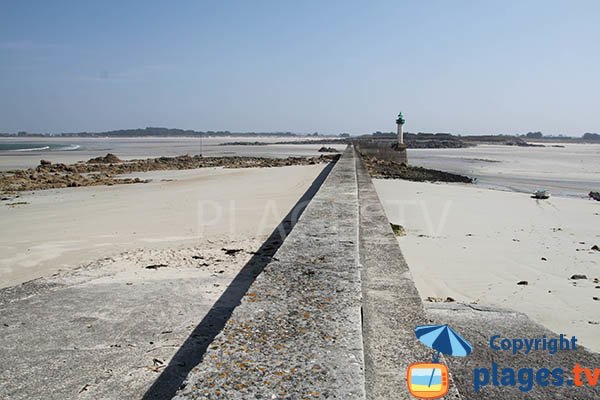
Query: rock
x: 578, y: 276
x: 231, y: 252
x: 387, y: 169
x: 595, y: 247
x: 440, y: 300
x: 156, y: 266
x: 45, y: 163
x: 107, y: 159
x: 434, y: 299
x: 327, y: 150
x: 523, y: 283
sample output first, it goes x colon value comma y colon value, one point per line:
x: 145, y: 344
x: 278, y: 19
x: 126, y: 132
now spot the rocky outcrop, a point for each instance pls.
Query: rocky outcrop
x: 106, y: 170
x: 325, y: 149
x: 386, y: 169
x: 107, y: 159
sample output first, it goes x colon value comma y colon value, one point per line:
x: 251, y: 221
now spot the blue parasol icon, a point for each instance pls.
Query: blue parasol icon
x: 443, y: 339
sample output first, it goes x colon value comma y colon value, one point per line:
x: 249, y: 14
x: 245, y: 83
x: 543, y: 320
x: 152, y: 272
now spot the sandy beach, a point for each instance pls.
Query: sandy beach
x: 475, y: 245
x: 63, y: 228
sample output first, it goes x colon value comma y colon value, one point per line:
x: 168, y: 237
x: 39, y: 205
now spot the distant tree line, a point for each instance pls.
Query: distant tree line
x: 591, y: 136
x: 534, y: 135
x: 165, y: 132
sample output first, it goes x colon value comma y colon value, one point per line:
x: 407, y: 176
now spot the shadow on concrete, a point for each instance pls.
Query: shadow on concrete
x: 192, y: 350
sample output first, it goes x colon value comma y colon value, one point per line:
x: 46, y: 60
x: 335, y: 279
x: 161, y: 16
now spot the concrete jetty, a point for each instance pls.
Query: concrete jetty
x: 298, y: 332
x: 332, y: 316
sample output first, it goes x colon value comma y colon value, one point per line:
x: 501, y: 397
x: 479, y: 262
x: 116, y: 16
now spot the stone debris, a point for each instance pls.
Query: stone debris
x: 231, y: 252
x: 578, y: 276
x: 440, y: 300
x: 156, y: 266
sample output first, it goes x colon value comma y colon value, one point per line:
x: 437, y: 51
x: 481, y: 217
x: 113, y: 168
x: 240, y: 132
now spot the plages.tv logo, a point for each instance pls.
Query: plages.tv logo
x: 430, y: 380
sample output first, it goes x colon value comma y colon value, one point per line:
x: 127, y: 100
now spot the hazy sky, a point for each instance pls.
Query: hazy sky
x: 302, y: 66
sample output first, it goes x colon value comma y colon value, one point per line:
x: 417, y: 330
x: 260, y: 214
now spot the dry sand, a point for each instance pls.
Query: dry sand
x: 63, y: 228
x: 475, y: 244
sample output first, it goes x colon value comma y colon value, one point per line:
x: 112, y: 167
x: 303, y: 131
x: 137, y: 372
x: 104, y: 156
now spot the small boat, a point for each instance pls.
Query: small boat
x: 541, y: 194
x: 595, y: 195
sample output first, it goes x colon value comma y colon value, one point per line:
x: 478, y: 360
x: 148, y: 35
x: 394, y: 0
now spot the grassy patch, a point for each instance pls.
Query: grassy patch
x: 398, y: 229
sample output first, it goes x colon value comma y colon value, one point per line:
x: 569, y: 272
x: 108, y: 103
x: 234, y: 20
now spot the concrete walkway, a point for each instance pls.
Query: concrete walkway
x: 297, y: 333
x: 332, y: 317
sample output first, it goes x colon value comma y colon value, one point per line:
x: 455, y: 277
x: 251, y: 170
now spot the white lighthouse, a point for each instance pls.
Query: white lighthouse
x: 400, y: 124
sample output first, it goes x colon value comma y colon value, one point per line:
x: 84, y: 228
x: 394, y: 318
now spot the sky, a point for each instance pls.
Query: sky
x: 466, y: 67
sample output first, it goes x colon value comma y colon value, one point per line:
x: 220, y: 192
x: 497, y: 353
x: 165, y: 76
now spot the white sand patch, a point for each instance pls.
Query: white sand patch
x: 62, y: 228
x: 475, y: 244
